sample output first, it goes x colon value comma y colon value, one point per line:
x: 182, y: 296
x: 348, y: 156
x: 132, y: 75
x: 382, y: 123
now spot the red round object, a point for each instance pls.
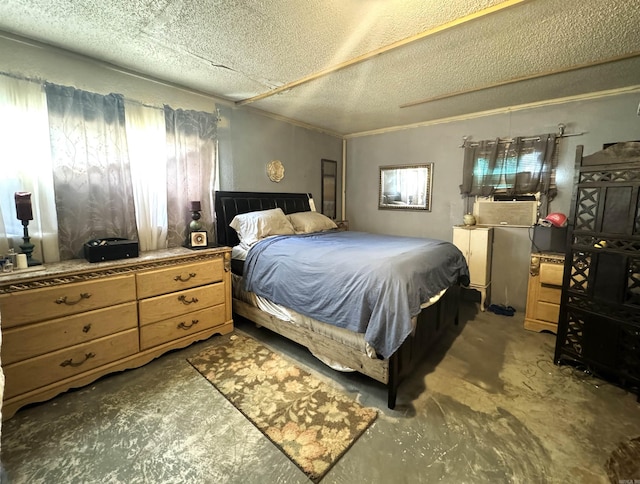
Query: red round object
x: 557, y: 219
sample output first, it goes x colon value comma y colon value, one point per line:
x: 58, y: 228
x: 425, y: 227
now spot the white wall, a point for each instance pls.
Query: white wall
x: 604, y: 120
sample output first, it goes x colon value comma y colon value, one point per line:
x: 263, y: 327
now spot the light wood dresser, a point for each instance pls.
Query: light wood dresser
x: 544, y: 292
x: 72, y: 322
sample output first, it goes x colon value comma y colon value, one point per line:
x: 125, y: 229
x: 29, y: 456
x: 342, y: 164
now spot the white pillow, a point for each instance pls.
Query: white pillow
x: 309, y: 222
x: 254, y: 226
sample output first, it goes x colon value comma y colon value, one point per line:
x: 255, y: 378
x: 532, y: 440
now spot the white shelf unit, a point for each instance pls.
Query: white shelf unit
x: 476, y: 243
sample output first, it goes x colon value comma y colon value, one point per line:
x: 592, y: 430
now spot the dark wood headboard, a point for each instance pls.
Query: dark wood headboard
x: 229, y: 204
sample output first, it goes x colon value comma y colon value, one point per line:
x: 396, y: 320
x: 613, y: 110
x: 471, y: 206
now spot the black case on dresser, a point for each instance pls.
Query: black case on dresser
x: 599, y: 325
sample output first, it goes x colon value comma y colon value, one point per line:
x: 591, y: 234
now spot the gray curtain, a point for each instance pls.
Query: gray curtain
x: 191, y: 170
x: 515, y: 167
x: 92, y: 181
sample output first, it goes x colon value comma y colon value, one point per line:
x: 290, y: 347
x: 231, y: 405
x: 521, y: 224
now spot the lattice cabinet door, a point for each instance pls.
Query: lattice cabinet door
x: 599, y: 326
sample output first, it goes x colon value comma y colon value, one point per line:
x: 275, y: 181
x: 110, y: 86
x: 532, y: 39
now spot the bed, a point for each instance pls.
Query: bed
x: 385, y: 341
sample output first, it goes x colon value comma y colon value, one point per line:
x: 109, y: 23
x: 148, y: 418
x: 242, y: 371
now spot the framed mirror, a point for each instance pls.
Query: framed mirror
x: 405, y: 187
x: 329, y: 190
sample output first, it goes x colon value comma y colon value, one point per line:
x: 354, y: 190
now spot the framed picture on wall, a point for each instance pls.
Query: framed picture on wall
x: 405, y: 187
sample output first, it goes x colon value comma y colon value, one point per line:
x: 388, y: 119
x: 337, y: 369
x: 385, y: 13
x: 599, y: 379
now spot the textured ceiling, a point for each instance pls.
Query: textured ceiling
x: 353, y: 66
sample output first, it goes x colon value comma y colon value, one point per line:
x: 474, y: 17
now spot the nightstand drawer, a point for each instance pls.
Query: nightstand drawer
x: 551, y: 294
x: 547, y: 312
x: 31, y: 340
x: 174, y: 328
x: 33, y: 373
x: 163, y: 281
x: 53, y: 302
x: 170, y: 305
x: 551, y: 274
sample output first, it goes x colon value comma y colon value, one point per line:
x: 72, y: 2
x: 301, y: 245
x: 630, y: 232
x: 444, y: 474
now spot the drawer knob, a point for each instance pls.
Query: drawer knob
x: 86, y: 328
x: 184, y: 325
x: 70, y: 362
x: 183, y: 299
x: 182, y: 279
x: 63, y: 299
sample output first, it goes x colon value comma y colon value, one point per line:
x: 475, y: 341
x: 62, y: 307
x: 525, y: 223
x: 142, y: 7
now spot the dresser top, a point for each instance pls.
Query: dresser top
x: 554, y: 257
x: 82, y: 269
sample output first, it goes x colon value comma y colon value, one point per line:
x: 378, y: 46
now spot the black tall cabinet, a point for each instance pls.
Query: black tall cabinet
x: 599, y: 325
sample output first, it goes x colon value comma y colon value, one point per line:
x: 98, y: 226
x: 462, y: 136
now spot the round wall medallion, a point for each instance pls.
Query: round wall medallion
x: 275, y: 170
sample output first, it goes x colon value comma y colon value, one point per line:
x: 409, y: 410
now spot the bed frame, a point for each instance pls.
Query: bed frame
x: 432, y: 321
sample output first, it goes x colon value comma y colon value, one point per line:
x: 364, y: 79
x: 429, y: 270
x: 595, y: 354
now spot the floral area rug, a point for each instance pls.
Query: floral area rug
x: 313, y: 424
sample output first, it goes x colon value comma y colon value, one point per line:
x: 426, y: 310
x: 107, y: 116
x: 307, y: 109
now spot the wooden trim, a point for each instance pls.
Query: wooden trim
x: 539, y: 326
x: 87, y: 271
x: 502, y: 110
x: 374, y: 53
x: 523, y: 78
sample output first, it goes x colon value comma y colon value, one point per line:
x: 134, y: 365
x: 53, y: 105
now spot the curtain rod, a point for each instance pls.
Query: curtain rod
x: 42, y: 83
x: 132, y: 101
x: 561, y: 134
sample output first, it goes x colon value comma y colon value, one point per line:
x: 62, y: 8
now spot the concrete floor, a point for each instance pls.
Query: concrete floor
x: 489, y: 406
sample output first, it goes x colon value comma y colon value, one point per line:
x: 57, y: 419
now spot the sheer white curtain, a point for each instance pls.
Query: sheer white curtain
x: 146, y: 140
x: 91, y: 173
x: 26, y: 166
x: 192, y: 169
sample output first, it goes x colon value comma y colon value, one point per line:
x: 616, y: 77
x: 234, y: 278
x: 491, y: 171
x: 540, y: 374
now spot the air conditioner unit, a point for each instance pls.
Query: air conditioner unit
x: 514, y: 213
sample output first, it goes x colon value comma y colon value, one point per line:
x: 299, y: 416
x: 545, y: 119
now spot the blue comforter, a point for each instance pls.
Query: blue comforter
x: 367, y: 283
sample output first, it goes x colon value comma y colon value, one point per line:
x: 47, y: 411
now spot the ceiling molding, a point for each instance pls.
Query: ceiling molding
x: 127, y: 72
x: 586, y: 65
x: 369, y: 55
x: 112, y: 67
x: 508, y: 109
x: 292, y: 121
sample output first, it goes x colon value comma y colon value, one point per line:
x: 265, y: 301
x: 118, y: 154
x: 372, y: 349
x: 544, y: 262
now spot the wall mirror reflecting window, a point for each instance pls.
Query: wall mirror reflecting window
x: 405, y: 187
x: 329, y: 191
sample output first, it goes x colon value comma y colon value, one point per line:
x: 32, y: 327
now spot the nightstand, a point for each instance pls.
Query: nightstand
x: 544, y: 292
x: 476, y: 244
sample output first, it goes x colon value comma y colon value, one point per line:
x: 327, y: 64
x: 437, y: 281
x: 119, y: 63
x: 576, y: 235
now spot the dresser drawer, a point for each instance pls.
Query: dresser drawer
x: 181, y: 302
x: 23, y: 342
x: 551, y: 294
x: 174, y: 328
x: 53, y: 302
x: 175, y: 278
x: 551, y: 274
x: 37, y: 372
x: 547, y: 311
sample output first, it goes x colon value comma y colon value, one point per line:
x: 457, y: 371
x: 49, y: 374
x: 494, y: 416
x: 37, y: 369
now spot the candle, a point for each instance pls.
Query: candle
x: 21, y: 261
x: 23, y: 206
x: 195, y: 206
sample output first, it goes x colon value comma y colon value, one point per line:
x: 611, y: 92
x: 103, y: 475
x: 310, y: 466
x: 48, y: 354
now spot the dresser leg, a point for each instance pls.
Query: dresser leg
x: 483, y: 297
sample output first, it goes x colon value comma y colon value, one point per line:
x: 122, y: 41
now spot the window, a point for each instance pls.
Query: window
x: 96, y: 169
x: 514, y: 167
